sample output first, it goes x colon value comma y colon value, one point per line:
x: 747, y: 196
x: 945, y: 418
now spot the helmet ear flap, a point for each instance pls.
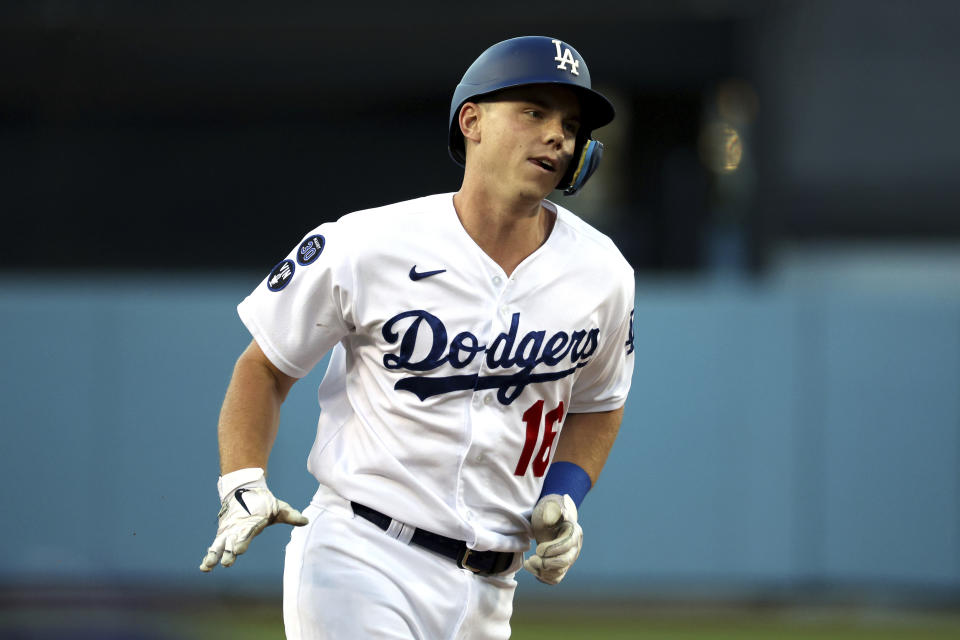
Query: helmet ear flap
x: 585, y: 165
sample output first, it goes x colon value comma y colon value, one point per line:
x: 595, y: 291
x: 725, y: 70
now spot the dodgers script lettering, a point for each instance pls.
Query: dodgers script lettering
x: 507, y: 351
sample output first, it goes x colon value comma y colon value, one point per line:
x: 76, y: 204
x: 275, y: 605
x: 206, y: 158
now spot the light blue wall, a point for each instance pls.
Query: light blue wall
x: 803, y: 429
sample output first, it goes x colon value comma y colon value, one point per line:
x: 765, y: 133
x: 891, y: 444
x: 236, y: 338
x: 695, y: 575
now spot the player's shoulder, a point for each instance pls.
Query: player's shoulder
x: 591, y: 244
x: 378, y: 231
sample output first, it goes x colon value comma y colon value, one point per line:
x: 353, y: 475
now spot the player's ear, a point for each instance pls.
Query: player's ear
x: 470, y: 116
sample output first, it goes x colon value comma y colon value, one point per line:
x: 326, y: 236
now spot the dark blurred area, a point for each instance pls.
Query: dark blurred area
x: 213, y: 135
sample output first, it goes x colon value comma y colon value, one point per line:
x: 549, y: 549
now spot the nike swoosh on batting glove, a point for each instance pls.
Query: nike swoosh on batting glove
x: 559, y: 538
x: 244, y: 512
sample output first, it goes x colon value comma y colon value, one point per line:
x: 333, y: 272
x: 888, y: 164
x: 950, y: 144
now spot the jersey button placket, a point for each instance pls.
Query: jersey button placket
x: 478, y: 402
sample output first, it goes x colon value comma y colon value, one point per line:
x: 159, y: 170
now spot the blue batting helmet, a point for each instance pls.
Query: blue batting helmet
x: 536, y: 60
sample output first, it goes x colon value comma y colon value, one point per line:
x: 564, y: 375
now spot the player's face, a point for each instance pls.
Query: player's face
x: 528, y: 138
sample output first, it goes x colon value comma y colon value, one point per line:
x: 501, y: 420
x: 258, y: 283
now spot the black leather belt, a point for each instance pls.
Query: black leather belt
x: 485, y: 563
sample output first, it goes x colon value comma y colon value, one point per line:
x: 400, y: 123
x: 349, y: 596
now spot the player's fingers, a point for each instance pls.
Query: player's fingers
x: 561, y: 562
x: 229, y: 557
x: 533, y: 564
x: 289, y: 515
x: 545, y: 517
x: 213, y: 554
x: 551, y: 577
x: 566, y: 539
x: 551, y: 514
x: 556, y: 550
x: 536, y: 565
x: 247, y: 534
x: 209, y: 561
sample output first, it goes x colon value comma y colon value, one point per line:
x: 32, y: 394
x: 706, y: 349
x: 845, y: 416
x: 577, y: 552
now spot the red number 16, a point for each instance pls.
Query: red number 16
x: 532, y: 418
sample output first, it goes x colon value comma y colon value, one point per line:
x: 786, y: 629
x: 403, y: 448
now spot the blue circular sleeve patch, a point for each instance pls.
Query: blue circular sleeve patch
x: 310, y: 249
x: 281, y: 275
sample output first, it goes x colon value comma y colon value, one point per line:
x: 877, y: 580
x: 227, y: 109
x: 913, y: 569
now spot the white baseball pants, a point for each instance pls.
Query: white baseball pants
x: 346, y: 579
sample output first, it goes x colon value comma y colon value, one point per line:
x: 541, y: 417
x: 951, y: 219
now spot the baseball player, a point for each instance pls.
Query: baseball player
x: 482, y: 350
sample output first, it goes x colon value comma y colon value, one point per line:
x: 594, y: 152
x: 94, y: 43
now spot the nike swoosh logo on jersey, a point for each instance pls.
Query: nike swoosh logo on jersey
x: 424, y: 274
x: 238, y: 494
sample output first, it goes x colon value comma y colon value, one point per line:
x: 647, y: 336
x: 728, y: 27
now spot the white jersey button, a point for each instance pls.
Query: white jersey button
x: 487, y: 399
x: 497, y: 280
x: 505, y: 310
x: 477, y: 400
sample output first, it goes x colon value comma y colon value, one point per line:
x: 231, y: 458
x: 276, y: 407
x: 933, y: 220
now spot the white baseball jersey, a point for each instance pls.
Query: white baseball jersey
x: 449, y: 380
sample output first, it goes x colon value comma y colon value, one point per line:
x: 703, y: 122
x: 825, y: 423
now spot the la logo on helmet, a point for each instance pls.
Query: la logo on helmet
x: 565, y: 57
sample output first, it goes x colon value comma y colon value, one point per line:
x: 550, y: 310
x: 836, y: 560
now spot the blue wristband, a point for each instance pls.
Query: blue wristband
x: 567, y: 478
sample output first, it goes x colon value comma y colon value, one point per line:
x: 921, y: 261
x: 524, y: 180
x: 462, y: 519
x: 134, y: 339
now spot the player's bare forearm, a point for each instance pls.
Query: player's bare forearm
x: 587, y: 438
x: 251, y: 411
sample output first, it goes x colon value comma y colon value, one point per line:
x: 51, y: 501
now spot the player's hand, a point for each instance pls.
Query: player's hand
x: 244, y: 513
x: 559, y: 538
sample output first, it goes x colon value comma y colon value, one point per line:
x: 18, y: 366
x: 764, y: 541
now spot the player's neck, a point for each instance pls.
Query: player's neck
x: 508, y: 230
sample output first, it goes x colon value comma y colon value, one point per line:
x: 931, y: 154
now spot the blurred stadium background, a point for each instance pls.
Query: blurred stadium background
x: 782, y: 175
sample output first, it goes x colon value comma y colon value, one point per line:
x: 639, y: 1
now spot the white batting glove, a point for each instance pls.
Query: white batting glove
x: 559, y: 538
x: 246, y: 508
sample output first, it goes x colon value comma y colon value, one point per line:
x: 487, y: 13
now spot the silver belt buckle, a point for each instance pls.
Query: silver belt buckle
x: 463, y: 562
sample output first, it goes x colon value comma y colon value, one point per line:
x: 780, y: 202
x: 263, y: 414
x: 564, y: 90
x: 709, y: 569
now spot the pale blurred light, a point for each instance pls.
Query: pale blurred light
x: 721, y: 149
x: 733, y: 107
